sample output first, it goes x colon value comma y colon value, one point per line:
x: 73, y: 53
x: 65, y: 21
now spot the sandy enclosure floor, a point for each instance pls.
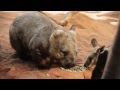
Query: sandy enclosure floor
x: 12, y: 67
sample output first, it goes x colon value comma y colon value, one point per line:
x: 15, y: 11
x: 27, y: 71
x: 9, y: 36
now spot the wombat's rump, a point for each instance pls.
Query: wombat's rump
x: 35, y: 35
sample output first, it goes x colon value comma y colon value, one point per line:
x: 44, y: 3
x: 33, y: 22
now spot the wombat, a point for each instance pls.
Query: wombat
x: 35, y: 35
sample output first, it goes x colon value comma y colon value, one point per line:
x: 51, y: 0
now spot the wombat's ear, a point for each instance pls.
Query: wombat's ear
x: 73, y: 28
x: 94, y: 42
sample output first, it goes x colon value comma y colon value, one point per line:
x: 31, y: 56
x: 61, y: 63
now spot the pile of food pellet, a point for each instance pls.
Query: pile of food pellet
x: 78, y: 68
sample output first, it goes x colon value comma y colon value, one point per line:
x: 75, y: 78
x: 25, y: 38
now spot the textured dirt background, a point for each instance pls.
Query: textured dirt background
x: 11, y: 67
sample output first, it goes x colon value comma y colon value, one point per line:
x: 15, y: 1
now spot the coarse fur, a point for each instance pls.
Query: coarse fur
x: 35, y: 35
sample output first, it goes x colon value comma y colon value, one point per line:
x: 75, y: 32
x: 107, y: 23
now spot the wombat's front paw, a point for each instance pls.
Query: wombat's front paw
x: 44, y: 63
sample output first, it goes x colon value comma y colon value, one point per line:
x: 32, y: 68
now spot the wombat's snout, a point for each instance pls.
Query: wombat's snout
x: 69, y: 64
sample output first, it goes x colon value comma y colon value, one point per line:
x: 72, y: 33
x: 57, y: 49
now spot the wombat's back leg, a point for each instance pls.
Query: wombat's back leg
x: 16, y: 44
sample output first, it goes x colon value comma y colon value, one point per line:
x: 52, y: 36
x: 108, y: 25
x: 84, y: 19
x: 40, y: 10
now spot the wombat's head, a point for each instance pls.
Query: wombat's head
x: 93, y: 57
x: 63, y: 47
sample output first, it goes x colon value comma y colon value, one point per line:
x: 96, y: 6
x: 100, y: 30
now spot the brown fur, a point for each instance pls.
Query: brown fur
x: 37, y: 36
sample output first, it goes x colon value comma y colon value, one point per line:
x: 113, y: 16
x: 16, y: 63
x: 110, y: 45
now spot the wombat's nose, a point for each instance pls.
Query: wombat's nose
x: 69, y: 64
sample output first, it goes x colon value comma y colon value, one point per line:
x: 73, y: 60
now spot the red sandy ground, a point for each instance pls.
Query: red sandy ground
x: 13, y: 68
